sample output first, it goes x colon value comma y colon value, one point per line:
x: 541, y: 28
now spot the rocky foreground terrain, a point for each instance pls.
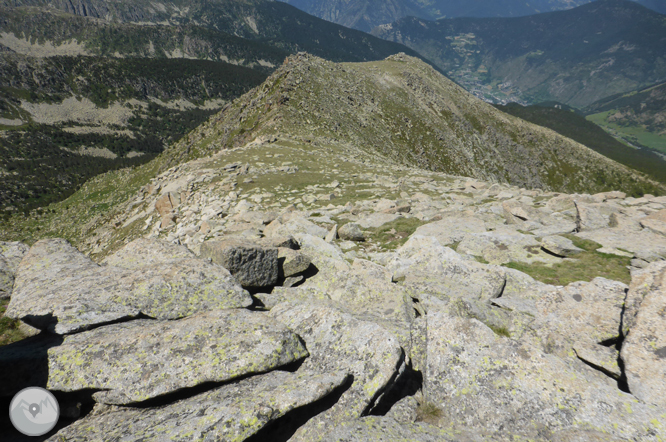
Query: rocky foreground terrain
x: 298, y: 288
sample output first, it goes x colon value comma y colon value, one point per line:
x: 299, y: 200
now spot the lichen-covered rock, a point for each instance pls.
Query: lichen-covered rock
x: 60, y: 289
x: 291, y: 262
x: 593, y: 216
x: 232, y: 412
x: 452, y: 229
x: 143, y: 359
x: 338, y: 342
x: 143, y: 252
x: 560, y: 246
x: 294, y: 227
x: 375, y: 220
x: 644, y: 244
x: 588, y: 312
x: 384, y: 429
x: 655, y: 222
x: 351, y: 232
x: 504, y: 246
x: 643, y: 282
x: 250, y: 264
x: 601, y: 357
x: 644, y: 349
x: 11, y: 254
x: 425, y: 265
x: 497, y: 386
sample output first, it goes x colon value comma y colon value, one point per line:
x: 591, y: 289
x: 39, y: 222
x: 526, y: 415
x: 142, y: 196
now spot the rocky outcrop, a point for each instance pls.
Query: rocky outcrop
x: 231, y: 412
x: 644, y: 349
x: 11, y: 254
x: 251, y: 265
x: 60, y: 289
x: 145, y: 359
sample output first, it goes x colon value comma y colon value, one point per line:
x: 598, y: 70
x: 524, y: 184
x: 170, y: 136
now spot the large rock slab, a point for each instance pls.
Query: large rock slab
x: 60, y: 289
x: 504, y: 246
x: 144, y: 252
x: 592, y: 216
x: 11, y: 254
x: 560, y: 246
x: 588, y: 312
x: 384, y: 429
x: 655, y: 222
x: 251, y: 265
x: 452, y: 229
x: 376, y: 220
x: 498, y: 386
x: 339, y: 342
x: 230, y: 413
x: 143, y: 359
x: 644, y: 244
x: 644, y: 349
x: 294, y: 227
x: 424, y: 264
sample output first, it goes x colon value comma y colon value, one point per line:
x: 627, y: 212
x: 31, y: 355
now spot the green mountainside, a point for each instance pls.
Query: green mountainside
x: 574, y: 125
x: 93, y: 86
x: 403, y: 109
x: 576, y: 57
x: 638, y: 118
x: 399, y: 112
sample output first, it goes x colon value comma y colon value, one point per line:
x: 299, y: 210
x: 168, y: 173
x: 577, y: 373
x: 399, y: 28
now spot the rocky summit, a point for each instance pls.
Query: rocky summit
x: 349, y: 252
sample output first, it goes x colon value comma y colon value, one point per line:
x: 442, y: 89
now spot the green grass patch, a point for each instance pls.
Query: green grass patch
x: 636, y: 135
x: 586, y: 266
x: 500, y: 331
x: 428, y: 412
x: 9, y: 328
x: 392, y: 235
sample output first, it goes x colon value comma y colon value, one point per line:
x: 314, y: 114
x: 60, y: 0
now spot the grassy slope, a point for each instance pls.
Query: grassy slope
x: 576, y: 127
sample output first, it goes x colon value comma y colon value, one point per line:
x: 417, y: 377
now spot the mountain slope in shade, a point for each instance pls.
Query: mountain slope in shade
x: 367, y: 14
x: 404, y: 110
x: 575, y: 57
x: 574, y: 125
x: 273, y: 23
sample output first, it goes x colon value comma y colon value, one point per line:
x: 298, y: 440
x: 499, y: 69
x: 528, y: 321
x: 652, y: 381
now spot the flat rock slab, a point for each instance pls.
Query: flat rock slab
x: 250, y: 264
x: 339, y: 342
x: 376, y: 220
x: 60, y: 289
x: 294, y: 227
x: 498, y: 386
x: 502, y: 247
x: 143, y: 359
x: 644, y: 349
x: 351, y: 232
x: 560, y: 246
x: 385, y: 429
x: 451, y: 230
x: 144, y: 252
x: 588, y: 312
x: 230, y: 413
x: 424, y: 264
x: 646, y: 245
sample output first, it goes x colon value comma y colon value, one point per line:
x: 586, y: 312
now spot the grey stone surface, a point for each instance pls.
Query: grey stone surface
x: 339, y: 342
x: 505, y: 246
x: 385, y: 429
x: 232, y: 412
x: 250, y: 264
x: 404, y: 411
x: 138, y: 360
x: 589, y: 312
x: 452, y: 229
x: 644, y: 349
x: 425, y: 265
x: 60, y: 289
x: 11, y: 254
x: 560, y: 246
x: 498, y: 386
x: 293, y: 227
x: 351, y: 232
x: 377, y: 220
x: 291, y: 262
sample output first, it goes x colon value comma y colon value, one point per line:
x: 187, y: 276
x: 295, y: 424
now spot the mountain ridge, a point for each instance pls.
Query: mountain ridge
x: 576, y: 57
